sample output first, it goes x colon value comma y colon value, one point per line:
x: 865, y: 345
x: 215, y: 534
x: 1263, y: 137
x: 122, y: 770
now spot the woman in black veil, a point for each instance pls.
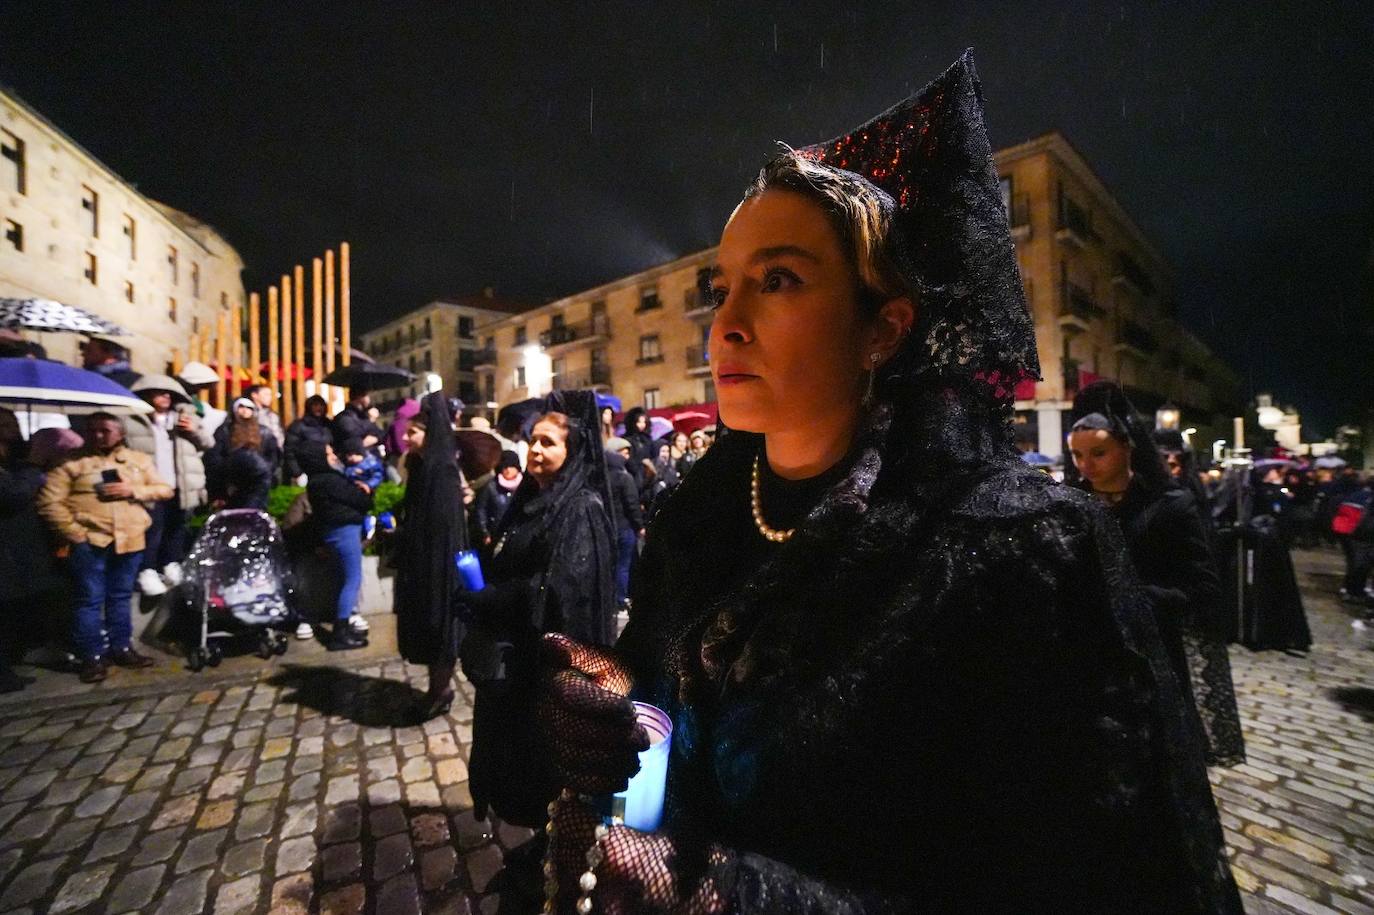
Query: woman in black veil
x: 905, y: 671
x: 551, y: 570
x: 1168, y: 535
x: 432, y: 529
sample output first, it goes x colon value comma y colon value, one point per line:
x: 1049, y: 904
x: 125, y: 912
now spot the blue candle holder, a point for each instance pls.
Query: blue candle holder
x: 640, y: 805
x: 469, y: 569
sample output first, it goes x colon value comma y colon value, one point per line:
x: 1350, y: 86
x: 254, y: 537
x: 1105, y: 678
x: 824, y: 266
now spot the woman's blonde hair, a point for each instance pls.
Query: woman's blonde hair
x: 861, y: 215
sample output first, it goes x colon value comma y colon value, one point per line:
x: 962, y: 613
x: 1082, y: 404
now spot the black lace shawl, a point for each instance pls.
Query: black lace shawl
x: 946, y: 692
x: 433, y: 528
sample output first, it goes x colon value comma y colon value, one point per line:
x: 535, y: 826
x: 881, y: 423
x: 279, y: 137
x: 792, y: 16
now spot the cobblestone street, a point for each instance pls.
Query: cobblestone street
x: 288, y: 789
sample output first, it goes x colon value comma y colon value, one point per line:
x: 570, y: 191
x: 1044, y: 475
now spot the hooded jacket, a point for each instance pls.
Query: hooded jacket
x: 188, y: 449
x: 334, y: 501
x: 308, y: 430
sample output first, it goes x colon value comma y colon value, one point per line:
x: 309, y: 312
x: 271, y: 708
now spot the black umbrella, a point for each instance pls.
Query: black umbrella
x: 369, y: 376
x: 45, y: 314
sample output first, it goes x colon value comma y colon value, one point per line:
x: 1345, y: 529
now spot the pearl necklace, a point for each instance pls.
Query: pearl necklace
x: 756, y: 504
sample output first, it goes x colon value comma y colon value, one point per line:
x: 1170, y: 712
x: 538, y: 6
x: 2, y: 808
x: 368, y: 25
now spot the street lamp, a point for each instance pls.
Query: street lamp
x: 1168, y: 417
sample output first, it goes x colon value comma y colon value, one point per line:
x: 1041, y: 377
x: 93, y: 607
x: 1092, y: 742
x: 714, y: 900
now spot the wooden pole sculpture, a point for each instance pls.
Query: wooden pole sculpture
x: 300, y: 339
x: 345, y: 307
x: 235, y: 352
x: 317, y: 322
x: 331, y: 340
x: 274, y: 349
x: 221, y: 338
x: 288, y: 387
x: 254, y: 336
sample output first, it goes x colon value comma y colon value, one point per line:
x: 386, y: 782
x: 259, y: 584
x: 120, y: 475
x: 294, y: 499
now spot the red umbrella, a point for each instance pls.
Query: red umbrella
x: 287, y: 371
x: 689, y: 418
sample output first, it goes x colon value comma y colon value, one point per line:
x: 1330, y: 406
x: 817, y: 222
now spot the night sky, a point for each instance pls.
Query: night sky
x: 546, y: 150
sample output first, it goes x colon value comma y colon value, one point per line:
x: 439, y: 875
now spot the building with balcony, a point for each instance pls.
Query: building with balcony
x: 73, y: 231
x: 441, y: 337
x: 1101, y: 296
x: 642, y: 337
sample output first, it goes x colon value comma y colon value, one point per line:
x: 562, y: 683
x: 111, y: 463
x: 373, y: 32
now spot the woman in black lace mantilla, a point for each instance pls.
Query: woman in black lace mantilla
x: 906, y: 672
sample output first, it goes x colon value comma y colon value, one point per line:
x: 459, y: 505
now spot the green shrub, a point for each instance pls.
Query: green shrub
x: 387, y: 497
x: 280, y: 498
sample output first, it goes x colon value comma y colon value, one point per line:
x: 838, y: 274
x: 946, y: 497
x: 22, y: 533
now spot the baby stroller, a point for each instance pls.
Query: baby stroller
x: 238, y: 582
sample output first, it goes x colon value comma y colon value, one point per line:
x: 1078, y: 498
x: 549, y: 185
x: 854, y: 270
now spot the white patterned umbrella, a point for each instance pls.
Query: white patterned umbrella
x: 45, y: 314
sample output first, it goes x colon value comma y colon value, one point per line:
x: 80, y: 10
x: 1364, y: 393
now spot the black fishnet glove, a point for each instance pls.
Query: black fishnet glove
x: 588, y: 723
x: 638, y: 872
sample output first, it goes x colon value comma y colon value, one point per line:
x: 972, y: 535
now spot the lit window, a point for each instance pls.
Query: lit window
x: 649, y: 350
x: 129, y: 291
x: 90, y: 202
x: 12, y: 151
x: 92, y: 271
x: 173, y: 264
x: 651, y: 398
x: 172, y: 309
x: 131, y: 233
x: 14, y: 234
x: 195, y: 282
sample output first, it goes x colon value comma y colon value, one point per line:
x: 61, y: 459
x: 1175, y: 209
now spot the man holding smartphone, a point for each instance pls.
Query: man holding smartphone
x: 95, y: 504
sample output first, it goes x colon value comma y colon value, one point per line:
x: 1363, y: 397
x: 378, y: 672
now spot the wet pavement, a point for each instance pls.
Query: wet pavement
x: 297, y: 785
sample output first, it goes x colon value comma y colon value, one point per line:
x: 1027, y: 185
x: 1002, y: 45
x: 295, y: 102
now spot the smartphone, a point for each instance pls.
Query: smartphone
x: 109, y: 475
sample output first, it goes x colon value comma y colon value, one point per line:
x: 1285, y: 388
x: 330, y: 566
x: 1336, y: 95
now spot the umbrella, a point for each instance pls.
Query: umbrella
x: 161, y: 383
x: 1268, y: 464
x: 514, y: 420
x: 479, y: 452
x: 369, y: 376
x: 286, y: 371
x: 45, y: 314
x: 1037, y: 459
x: 659, y: 427
x: 196, y: 374
x: 607, y: 400
x: 57, y: 388
x: 1330, y: 462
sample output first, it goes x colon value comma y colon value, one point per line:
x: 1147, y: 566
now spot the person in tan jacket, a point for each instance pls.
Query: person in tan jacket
x: 94, y: 503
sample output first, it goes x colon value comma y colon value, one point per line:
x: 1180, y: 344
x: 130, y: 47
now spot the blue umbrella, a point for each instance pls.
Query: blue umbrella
x: 607, y: 400
x: 53, y: 387
x: 1036, y: 459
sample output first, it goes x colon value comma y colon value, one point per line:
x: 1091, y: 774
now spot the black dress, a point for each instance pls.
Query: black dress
x: 1168, y: 538
x: 551, y: 570
x: 938, y: 699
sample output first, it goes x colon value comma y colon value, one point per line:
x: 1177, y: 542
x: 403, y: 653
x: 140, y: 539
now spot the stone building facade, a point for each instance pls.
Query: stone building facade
x: 440, y: 337
x: 642, y: 337
x: 74, y: 231
x: 1102, y: 298
x: 1100, y: 293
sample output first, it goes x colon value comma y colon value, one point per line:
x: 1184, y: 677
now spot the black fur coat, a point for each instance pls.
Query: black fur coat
x: 944, y: 693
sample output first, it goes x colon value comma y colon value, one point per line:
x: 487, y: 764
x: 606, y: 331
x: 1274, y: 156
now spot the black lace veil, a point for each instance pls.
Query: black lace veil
x: 931, y: 154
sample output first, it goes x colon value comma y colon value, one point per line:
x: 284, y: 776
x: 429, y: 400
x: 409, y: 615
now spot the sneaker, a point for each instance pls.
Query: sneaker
x: 128, y: 657
x: 305, y: 632
x: 358, y: 623
x: 150, y: 583
x: 92, y: 670
x: 173, y: 574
